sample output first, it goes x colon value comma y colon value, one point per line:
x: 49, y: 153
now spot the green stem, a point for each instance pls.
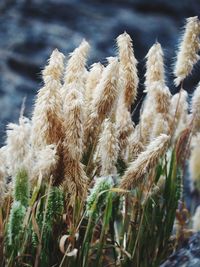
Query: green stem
x: 105, y: 227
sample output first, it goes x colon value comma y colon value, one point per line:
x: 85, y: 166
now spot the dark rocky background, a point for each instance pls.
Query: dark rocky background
x: 31, y: 29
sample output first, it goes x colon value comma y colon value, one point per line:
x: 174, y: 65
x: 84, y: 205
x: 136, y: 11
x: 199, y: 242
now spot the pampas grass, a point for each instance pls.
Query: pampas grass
x: 188, y: 50
x: 82, y: 185
x: 128, y: 70
x: 144, y: 163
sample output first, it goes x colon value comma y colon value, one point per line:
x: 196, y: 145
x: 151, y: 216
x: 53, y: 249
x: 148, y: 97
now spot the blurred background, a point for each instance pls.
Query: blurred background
x: 31, y: 29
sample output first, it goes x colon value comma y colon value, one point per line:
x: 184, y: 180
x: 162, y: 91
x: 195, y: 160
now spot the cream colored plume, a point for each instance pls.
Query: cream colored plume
x: 107, y: 91
x: 196, y: 220
x: 3, y: 161
x: 154, y: 66
x: 93, y: 79
x: 54, y: 70
x: 43, y: 162
x: 158, y: 94
x: 75, y: 182
x: 128, y: 68
x: 196, y: 109
x: 155, y: 79
x: 194, y: 162
x: 47, y: 115
x: 2, y: 191
x: 179, y: 105
x: 135, y: 174
x: 146, y: 121
x: 17, y: 149
x: 73, y: 123
x: 3, y: 174
x: 160, y: 126
x: 124, y: 127
x: 104, y: 100
x: 135, y: 146
x: 75, y: 69
x: 162, y: 98
x: 108, y: 148
x: 188, y: 50
x: 179, y: 111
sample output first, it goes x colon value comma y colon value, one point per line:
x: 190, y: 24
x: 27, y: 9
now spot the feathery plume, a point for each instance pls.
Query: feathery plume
x: 105, y: 96
x: 196, y: 220
x: 17, y: 147
x: 2, y: 176
x: 108, y: 148
x: 179, y: 112
x: 75, y: 182
x: 125, y: 127
x: 156, y: 105
x: 154, y: 66
x: 146, y: 160
x: 146, y: 121
x: 196, y: 109
x: 158, y: 94
x: 2, y: 190
x: 155, y: 79
x: 128, y: 69
x: 179, y: 105
x: 107, y: 91
x: 189, y: 47
x: 73, y: 124
x: 47, y: 115
x: 55, y: 67
x: 3, y: 161
x: 75, y: 69
x: 93, y: 79
x: 135, y: 146
x: 43, y: 162
x: 194, y: 163
x: 162, y: 96
x: 160, y: 126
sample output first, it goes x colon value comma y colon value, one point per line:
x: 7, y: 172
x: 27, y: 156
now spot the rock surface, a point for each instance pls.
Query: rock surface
x: 188, y: 256
x: 31, y: 29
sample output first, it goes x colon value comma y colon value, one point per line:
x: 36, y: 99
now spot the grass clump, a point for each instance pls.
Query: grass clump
x: 81, y: 184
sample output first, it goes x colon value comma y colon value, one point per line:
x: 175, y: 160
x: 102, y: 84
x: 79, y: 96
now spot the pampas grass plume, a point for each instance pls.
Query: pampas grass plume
x: 17, y: 147
x: 107, y: 90
x: 108, y: 148
x: 75, y: 70
x: 194, y: 163
x: 154, y: 65
x: 104, y: 100
x: 196, y: 220
x: 128, y: 68
x: 93, y: 79
x: 47, y: 114
x: 75, y: 182
x: 54, y: 69
x: 145, y: 161
x: 188, y: 50
x: 124, y: 127
x: 73, y: 123
x: 196, y: 109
